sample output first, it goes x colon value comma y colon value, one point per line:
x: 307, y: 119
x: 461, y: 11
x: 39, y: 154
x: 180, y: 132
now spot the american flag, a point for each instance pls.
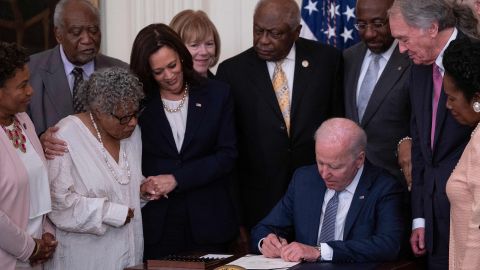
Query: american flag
x: 330, y: 21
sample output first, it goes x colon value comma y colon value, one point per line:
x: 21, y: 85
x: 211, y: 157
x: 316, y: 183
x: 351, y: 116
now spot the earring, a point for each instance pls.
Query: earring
x: 476, y: 106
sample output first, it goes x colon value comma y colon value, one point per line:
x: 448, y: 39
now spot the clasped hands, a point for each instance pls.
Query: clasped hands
x: 275, y: 247
x: 44, y: 249
x: 159, y: 186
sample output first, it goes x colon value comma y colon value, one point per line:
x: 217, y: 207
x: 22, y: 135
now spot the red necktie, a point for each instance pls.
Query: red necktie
x: 437, y: 88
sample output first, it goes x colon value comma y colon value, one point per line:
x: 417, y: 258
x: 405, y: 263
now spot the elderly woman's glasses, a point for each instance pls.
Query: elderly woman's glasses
x: 375, y: 26
x: 127, y: 118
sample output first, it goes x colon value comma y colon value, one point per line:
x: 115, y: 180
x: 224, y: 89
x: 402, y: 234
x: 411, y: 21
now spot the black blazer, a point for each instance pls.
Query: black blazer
x: 432, y: 168
x: 201, y: 168
x: 267, y: 155
x: 387, y: 115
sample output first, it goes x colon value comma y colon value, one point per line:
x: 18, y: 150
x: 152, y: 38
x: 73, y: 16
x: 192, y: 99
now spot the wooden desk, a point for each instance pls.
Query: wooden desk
x: 399, y: 265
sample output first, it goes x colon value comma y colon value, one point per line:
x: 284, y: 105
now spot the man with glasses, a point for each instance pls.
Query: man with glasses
x: 376, y: 90
x: 283, y: 87
x: 424, y: 30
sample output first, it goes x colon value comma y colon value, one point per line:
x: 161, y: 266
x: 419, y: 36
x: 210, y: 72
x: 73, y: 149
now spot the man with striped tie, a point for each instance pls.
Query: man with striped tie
x: 343, y: 209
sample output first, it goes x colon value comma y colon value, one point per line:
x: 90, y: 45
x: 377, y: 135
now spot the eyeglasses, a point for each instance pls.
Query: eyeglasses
x: 375, y: 26
x: 127, y: 118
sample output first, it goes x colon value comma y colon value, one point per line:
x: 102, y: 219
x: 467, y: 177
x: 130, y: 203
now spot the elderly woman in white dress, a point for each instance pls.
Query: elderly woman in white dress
x: 96, y: 185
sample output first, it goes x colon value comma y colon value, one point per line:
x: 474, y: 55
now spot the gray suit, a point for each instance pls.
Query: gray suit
x: 387, y: 116
x: 52, y: 99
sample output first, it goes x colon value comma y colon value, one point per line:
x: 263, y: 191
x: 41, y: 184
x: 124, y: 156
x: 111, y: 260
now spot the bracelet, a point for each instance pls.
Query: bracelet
x: 407, y: 138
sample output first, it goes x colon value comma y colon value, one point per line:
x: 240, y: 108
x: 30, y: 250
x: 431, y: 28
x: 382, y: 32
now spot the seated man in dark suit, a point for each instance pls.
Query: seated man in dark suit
x: 343, y: 209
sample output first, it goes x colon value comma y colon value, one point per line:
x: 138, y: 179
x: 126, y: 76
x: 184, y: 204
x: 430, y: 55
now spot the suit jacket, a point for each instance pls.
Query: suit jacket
x: 52, y: 99
x: 15, y: 242
x: 387, y: 116
x: 432, y: 168
x: 373, y: 226
x: 267, y: 154
x: 202, y: 167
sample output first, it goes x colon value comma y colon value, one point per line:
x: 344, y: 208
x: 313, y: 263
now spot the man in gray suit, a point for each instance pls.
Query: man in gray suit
x: 375, y: 81
x: 77, y: 30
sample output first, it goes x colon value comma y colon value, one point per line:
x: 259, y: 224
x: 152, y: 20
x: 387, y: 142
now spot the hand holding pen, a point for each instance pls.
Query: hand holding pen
x: 272, y: 245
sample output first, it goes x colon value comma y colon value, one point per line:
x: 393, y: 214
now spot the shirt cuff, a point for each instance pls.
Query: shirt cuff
x: 326, y: 252
x: 115, y: 214
x: 259, y: 245
x: 418, y: 223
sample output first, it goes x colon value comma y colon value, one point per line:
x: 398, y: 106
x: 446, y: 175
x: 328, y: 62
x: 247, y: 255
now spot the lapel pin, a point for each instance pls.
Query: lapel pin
x: 361, y: 197
x: 305, y: 63
x: 198, y: 105
x: 399, y: 68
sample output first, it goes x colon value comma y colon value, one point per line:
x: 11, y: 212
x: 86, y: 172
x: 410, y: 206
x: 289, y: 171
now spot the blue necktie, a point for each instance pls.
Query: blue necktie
x: 328, y: 226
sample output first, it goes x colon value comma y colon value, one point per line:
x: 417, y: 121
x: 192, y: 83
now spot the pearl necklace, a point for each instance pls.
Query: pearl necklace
x: 16, y: 136
x: 182, y: 102
x: 115, y: 176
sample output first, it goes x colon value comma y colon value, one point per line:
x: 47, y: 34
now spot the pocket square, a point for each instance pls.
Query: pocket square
x: 361, y: 197
x: 198, y: 105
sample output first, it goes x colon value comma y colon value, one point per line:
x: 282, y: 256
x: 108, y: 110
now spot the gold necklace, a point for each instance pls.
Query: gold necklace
x: 16, y: 136
x: 180, y: 105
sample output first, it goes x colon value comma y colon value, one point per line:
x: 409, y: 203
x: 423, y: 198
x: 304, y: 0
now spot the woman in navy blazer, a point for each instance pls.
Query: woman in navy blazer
x: 188, y: 148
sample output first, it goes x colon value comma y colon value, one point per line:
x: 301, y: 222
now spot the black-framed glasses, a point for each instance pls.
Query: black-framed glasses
x: 375, y: 26
x: 127, y: 118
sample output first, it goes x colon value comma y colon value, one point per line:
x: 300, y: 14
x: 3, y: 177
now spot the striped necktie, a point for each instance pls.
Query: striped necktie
x: 327, y: 232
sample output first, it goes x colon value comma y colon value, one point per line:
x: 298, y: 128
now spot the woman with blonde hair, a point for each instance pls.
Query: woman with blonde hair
x: 201, y: 38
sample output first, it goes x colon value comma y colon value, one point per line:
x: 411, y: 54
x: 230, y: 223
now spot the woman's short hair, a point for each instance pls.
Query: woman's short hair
x: 11, y: 59
x: 195, y: 26
x: 461, y: 62
x: 148, y: 41
x: 110, y: 89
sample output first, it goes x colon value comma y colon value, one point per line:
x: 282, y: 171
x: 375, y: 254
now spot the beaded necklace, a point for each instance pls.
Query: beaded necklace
x: 16, y: 136
x: 115, y: 176
x: 180, y: 105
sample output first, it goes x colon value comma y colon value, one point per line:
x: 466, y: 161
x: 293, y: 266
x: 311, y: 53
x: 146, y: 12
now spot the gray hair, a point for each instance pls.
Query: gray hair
x: 344, y: 132
x: 110, y: 89
x: 58, y: 15
x: 423, y: 13
x: 290, y: 7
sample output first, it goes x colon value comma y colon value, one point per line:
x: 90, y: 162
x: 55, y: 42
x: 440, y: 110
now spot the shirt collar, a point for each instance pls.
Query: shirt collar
x: 88, y: 68
x: 353, y: 185
x: 439, y: 60
x: 386, y: 54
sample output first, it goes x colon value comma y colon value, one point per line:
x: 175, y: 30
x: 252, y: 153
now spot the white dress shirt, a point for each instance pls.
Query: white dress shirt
x: 88, y: 69
x: 385, y: 56
x: 344, y: 200
x: 288, y: 66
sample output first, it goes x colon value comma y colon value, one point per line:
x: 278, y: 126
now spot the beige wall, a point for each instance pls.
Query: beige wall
x: 122, y: 19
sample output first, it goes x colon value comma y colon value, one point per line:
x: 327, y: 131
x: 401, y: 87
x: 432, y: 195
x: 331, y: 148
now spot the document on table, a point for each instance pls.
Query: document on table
x: 260, y: 262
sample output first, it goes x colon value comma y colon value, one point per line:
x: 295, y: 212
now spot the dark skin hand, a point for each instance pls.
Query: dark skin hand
x: 47, y: 246
x: 130, y: 215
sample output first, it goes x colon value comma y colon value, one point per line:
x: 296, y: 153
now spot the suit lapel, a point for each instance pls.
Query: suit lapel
x: 316, y: 202
x: 392, y: 72
x: 263, y: 84
x: 426, y: 108
x: 196, y: 111
x: 55, y: 84
x: 358, y: 200
x: 301, y: 78
x: 353, y: 81
x: 164, y: 125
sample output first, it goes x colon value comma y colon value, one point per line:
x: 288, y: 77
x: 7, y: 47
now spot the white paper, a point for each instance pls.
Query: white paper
x: 260, y: 262
x: 216, y: 256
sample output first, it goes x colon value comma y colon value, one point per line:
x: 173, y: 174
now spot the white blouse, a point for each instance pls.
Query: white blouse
x: 177, y: 120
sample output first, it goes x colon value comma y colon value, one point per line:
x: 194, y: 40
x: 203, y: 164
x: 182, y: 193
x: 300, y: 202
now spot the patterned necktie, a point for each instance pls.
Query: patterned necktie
x: 327, y: 232
x: 280, y: 86
x: 437, y: 88
x: 77, y: 102
x: 368, y: 84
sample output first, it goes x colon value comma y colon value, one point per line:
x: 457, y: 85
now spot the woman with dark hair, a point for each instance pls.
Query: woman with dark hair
x: 188, y: 148
x: 462, y: 87
x: 200, y: 37
x: 26, y: 235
